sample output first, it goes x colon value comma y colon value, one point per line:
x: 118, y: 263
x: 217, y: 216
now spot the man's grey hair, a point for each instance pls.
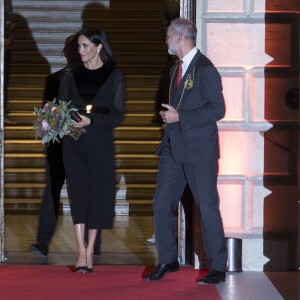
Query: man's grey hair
x: 185, y: 27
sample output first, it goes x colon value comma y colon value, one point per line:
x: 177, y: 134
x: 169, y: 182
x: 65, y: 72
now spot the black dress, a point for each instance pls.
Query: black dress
x: 89, y: 162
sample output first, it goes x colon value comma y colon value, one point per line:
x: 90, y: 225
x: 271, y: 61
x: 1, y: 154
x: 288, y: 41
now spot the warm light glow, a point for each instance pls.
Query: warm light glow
x: 247, y: 68
x: 241, y: 153
x: 88, y: 109
x: 231, y: 204
x: 233, y: 91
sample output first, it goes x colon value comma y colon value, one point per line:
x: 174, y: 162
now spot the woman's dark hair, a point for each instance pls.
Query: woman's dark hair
x: 98, y: 36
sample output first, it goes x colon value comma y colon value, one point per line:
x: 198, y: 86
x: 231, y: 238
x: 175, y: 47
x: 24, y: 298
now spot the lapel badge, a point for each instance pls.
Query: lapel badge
x: 189, y: 83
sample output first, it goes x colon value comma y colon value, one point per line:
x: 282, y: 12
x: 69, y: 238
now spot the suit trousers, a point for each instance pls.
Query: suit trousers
x: 55, y: 176
x: 171, y: 182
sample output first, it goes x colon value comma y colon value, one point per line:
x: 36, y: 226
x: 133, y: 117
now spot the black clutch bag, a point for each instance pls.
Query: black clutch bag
x: 75, y: 116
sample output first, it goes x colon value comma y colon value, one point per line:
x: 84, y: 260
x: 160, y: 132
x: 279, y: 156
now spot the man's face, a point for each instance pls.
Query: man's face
x: 172, y: 42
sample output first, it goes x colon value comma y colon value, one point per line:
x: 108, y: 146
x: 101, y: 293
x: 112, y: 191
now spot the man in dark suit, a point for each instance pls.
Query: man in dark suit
x: 55, y: 171
x: 189, y: 153
x: 55, y: 178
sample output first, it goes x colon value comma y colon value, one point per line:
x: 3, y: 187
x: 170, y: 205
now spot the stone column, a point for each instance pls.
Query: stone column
x: 188, y: 9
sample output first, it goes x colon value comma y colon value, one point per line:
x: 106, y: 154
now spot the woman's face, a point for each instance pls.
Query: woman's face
x: 88, y: 51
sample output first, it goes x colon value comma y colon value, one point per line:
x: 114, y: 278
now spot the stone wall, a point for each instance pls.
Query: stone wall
x: 254, y: 45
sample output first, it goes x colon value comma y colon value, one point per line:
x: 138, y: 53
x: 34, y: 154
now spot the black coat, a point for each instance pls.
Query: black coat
x: 89, y: 162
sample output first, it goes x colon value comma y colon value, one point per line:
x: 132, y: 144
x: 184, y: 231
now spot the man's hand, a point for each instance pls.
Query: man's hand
x: 170, y: 115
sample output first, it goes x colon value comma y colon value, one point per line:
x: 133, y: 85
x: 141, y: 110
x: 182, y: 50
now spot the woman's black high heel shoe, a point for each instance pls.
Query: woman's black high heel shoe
x: 82, y: 269
x: 89, y: 270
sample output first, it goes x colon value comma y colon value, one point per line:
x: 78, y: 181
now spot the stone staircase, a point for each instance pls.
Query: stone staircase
x: 136, y: 33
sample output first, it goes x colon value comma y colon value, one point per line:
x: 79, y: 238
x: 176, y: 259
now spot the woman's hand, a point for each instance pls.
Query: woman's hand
x: 83, y: 123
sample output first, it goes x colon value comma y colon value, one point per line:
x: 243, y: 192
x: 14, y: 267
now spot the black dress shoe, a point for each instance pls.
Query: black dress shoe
x: 213, y: 277
x: 39, y: 249
x: 161, y: 270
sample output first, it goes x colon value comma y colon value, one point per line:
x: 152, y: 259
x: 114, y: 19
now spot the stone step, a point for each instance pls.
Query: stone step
x: 99, y: 16
x: 137, y: 133
x: 121, y: 147
x: 35, y: 190
x: 148, y: 58
x: 57, y: 46
x: 136, y: 33
x: 148, y: 93
x: 122, y: 207
x: 23, y: 146
x: 21, y: 5
x: 134, y: 119
x: 134, y: 106
x: 37, y: 80
x: 113, y: 35
x: 57, y: 21
x: 38, y: 175
x: 46, y: 69
x: 123, y: 161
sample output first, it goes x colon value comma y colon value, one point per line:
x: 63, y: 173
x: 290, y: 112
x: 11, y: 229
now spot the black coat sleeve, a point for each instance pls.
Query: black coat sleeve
x: 116, y: 111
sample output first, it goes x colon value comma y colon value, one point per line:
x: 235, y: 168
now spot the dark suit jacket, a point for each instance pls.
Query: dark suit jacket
x: 52, y: 85
x: 195, y: 137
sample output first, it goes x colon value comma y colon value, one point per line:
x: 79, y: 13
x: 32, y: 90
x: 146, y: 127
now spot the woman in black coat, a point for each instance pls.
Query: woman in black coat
x: 97, y: 89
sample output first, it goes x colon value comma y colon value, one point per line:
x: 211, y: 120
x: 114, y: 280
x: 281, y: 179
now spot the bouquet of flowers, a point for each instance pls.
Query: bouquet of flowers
x: 53, y: 121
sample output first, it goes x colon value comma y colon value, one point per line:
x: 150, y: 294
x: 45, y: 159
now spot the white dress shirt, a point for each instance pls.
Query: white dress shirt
x: 187, y: 60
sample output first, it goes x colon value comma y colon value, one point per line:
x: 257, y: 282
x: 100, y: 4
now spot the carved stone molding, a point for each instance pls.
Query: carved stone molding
x: 188, y: 9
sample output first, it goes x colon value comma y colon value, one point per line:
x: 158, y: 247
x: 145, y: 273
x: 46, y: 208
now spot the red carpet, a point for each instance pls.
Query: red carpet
x: 106, y: 282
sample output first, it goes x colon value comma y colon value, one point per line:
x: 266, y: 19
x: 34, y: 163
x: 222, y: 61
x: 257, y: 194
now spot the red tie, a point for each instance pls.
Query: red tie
x: 179, y: 73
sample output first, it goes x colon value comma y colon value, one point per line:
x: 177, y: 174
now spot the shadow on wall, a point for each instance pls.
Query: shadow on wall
x: 281, y: 157
x: 22, y: 57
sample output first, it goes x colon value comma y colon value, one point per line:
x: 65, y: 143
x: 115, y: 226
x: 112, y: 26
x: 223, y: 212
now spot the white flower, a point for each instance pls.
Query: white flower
x: 45, y: 125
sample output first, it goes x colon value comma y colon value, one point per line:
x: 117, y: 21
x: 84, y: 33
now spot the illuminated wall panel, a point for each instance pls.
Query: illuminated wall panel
x: 233, y: 91
x: 241, y: 204
x: 256, y: 85
x: 236, y: 44
x: 231, y: 204
x: 241, y: 153
x: 225, y: 6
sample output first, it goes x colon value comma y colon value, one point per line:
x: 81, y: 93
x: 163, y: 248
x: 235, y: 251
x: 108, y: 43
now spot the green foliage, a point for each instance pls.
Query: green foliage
x: 53, y: 121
